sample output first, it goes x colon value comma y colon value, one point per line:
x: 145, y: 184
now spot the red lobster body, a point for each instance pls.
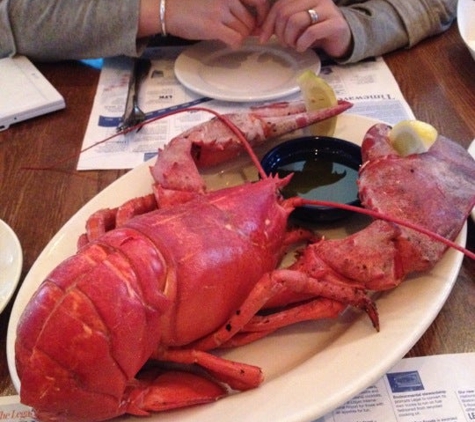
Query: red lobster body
x: 143, y: 267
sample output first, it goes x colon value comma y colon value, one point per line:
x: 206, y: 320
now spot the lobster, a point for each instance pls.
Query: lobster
x: 160, y: 257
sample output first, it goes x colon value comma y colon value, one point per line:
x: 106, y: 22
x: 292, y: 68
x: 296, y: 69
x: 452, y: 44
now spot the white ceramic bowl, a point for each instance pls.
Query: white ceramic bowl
x: 466, y: 23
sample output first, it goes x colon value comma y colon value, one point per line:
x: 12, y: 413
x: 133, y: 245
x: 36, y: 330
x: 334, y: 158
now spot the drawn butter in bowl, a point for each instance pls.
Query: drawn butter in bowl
x: 324, y: 168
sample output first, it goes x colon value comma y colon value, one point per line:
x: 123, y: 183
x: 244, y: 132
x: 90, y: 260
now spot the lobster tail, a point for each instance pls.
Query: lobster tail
x: 71, y: 352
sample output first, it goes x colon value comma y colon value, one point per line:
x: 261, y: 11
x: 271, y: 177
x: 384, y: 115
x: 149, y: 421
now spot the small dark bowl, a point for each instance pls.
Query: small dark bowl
x: 324, y: 168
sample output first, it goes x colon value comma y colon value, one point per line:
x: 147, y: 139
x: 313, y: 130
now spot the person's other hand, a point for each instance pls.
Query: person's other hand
x: 229, y: 21
x: 291, y: 22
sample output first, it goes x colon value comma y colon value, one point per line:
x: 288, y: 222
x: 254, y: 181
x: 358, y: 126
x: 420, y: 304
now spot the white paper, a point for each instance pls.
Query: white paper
x: 438, y: 388
x: 12, y: 410
x: 369, y: 85
x: 425, y: 389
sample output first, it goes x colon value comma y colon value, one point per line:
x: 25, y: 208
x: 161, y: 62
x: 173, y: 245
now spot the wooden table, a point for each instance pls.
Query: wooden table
x: 436, y: 78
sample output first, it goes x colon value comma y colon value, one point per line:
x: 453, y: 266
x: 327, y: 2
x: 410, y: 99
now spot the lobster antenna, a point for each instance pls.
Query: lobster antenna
x: 395, y: 220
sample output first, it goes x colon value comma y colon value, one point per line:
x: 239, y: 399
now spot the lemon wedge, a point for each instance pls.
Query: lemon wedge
x: 318, y: 94
x: 412, y: 137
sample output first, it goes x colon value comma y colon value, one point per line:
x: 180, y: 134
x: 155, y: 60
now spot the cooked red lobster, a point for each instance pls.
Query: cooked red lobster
x: 133, y: 294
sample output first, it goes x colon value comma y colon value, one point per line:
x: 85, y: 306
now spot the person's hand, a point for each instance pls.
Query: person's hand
x: 229, y: 21
x: 291, y: 22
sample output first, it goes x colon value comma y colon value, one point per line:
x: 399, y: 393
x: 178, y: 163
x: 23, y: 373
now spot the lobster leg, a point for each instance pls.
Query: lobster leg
x: 239, y: 376
x: 171, y: 390
x: 262, y: 325
x: 98, y: 223
x: 105, y: 220
x: 279, y: 282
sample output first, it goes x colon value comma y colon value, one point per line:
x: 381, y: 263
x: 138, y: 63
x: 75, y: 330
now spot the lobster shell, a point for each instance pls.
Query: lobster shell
x: 73, y: 331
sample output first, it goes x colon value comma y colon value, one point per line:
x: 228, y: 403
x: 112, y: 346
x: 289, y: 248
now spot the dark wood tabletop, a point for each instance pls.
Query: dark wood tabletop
x: 436, y: 78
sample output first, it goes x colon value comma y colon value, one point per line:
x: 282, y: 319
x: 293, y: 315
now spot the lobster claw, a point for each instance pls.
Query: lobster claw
x: 214, y: 143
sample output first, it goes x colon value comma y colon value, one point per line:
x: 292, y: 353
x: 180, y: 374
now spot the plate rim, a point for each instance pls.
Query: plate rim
x: 471, y: 151
x: 355, y: 337
x: 16, y: 266
x: 466, y: 14
x: 186, y: 69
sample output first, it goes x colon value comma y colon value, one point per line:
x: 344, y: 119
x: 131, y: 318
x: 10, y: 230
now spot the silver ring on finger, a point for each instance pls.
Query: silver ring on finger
x: 313, y: 16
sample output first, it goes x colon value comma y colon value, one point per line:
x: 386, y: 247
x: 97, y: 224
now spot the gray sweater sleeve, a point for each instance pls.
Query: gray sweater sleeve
x: 381, y: 26
x: 72, y: 29
x: 48, y: 30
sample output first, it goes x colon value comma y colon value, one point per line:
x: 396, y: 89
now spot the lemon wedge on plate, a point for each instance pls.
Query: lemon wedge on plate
x: 412, y: 137
x: 318, y: 94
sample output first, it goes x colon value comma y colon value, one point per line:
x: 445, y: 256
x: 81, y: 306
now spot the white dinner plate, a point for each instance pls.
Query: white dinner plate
x: 253, y: 73
x: 465, y: 23
x: 310, y: 368
x: 11, y: 262
x: 471, y: 150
